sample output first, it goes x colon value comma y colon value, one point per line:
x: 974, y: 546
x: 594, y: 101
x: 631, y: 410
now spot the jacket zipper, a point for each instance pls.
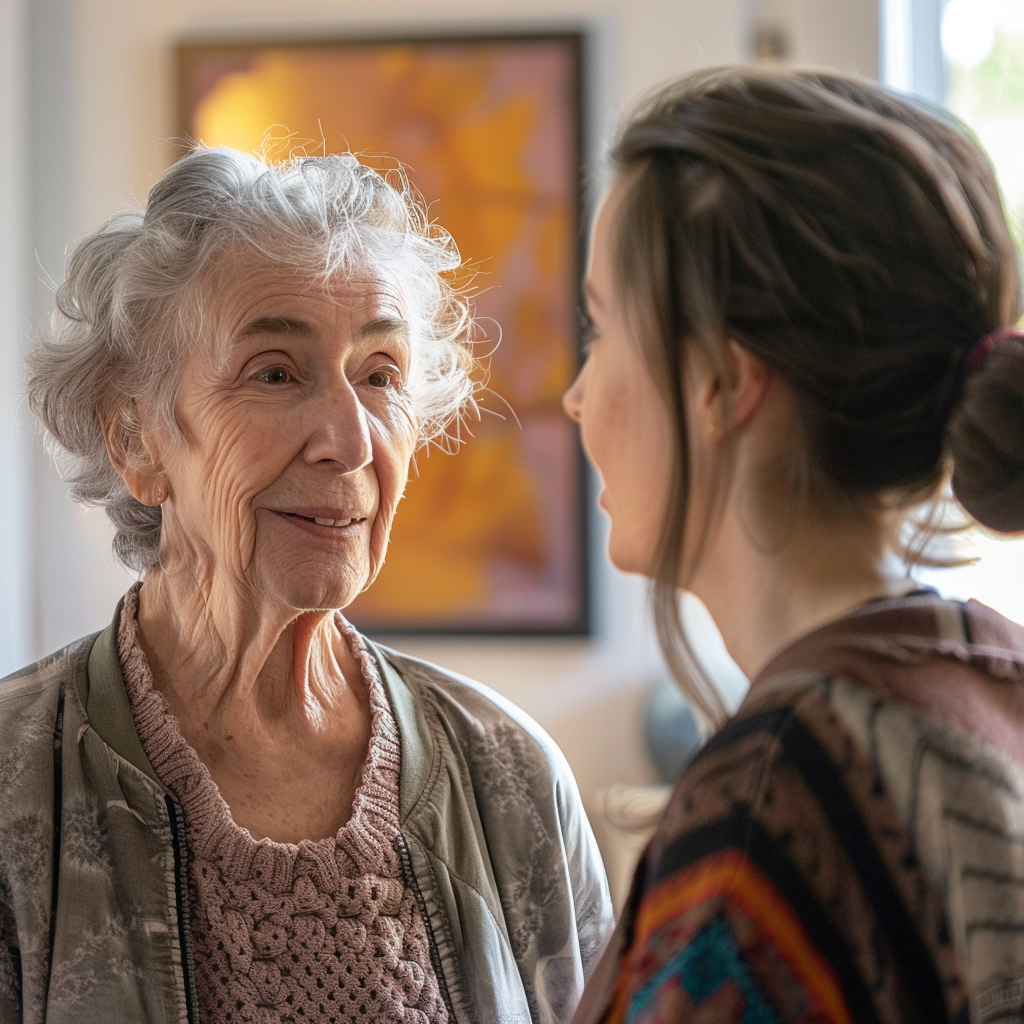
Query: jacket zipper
x: 58, y: 801
x: 181, y: 901
x: 435, y: 954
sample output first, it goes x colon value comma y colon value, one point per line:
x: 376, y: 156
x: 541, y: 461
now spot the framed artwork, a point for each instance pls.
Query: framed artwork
x: 493, y: 538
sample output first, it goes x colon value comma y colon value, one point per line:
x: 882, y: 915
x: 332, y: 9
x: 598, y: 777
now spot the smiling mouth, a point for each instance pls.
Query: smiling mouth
x: 337, y: 524
x: 330, y: 522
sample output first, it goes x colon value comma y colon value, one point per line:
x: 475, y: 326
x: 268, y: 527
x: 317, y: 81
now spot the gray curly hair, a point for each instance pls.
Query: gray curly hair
x: 131, y: 306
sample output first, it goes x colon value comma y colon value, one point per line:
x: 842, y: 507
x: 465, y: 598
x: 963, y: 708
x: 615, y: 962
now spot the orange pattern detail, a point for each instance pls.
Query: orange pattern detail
x: 734, y: 876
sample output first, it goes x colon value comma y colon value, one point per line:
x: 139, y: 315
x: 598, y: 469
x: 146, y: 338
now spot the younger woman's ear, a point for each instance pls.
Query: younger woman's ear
x: 751, y: 376
x: 133, y: 454
x: 740, y: 386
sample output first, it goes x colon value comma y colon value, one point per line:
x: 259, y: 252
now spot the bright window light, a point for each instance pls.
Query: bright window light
x: 968, y: 32
x: 983, y: 47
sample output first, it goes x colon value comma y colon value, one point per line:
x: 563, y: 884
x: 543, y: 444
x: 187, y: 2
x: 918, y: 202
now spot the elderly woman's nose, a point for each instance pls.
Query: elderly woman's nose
x: 337, y: 431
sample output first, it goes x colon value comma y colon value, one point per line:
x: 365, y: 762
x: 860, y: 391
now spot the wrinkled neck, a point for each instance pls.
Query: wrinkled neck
x: 212, y: 646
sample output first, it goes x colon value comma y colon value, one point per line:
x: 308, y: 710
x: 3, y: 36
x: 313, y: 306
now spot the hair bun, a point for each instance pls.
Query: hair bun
x: 986, y: 440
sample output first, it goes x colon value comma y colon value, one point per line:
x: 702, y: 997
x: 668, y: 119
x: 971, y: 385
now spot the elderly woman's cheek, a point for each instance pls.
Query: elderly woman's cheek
x: 235, y: 479
x: 394, y: 436
x: 221, y: 472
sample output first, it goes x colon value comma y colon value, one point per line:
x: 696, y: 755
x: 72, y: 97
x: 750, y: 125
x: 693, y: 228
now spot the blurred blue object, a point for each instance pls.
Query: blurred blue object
x: 670, y: 729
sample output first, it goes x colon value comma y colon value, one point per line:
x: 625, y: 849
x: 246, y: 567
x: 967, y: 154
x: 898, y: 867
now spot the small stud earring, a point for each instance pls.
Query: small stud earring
x: 159, y: 496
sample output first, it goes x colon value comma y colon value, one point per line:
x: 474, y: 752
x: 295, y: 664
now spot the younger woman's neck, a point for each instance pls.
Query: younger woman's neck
x: 764, y: 599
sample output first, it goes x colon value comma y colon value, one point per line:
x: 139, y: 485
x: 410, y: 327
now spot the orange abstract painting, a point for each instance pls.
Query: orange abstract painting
x: 490, y: 539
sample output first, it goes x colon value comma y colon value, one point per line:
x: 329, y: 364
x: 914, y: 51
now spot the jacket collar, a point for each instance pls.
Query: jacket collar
x: 416, y: 739
x: 106, y: 699
x: 109, y: 713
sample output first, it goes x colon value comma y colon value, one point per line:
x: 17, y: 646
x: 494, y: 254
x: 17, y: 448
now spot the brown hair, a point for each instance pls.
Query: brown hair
x: 856, y: 243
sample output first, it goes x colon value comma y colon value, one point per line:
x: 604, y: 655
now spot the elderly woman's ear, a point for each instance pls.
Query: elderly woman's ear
x: 134, y: 453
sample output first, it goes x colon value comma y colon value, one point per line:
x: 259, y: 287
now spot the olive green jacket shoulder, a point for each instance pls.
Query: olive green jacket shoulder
x: 94, y: 921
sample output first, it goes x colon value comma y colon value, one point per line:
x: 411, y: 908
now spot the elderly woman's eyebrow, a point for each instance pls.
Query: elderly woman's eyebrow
x: 384, y: 326
x: 275, y: 325
x: 381, y: 326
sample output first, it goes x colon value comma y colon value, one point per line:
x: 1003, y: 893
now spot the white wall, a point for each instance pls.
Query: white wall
x: 16, y: 570
x: 103, y: 99
x: 840, y: 34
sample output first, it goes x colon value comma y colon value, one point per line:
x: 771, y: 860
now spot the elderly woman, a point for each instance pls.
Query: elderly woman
x: 228, y: 805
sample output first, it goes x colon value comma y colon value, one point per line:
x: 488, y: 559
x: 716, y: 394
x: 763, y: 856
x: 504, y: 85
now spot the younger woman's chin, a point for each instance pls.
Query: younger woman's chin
x: 631, y: 562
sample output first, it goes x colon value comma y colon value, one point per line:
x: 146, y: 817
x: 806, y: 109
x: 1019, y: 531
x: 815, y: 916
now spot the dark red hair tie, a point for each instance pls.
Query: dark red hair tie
x: 978, y: 356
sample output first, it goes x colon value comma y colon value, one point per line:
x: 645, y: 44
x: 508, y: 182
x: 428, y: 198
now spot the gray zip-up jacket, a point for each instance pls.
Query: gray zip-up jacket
x: 94, y: 924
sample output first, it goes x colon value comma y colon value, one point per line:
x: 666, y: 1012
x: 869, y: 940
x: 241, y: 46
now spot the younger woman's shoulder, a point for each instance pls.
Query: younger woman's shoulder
x: 781, y: 860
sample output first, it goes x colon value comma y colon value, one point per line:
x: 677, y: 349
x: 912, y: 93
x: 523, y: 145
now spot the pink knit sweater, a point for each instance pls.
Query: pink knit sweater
x: 325, y: 931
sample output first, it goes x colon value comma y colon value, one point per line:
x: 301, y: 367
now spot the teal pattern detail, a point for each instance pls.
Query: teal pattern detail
x: 709, y: 960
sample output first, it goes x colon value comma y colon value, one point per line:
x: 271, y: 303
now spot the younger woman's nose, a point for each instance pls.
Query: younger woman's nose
x: 572, y: 400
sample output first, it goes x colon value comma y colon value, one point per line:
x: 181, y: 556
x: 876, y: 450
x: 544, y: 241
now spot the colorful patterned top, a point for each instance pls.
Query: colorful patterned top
x: 849, y: 848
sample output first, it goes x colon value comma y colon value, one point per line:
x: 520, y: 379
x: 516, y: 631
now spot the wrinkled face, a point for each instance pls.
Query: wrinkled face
x: 297, y: 435
x: 625, y: 424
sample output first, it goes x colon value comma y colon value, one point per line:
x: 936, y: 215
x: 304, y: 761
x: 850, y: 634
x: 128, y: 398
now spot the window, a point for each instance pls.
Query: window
x: 969, y: 55
x: 983, y: 46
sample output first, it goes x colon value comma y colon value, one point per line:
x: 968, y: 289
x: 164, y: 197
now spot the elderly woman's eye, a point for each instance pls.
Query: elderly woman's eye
x: 273, y: 375
x: 383, y: 378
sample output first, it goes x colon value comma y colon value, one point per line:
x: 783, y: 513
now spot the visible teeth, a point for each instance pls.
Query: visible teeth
x: 331, y: 522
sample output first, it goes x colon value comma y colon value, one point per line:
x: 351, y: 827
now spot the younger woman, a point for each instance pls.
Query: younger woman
x: 803, y: 293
